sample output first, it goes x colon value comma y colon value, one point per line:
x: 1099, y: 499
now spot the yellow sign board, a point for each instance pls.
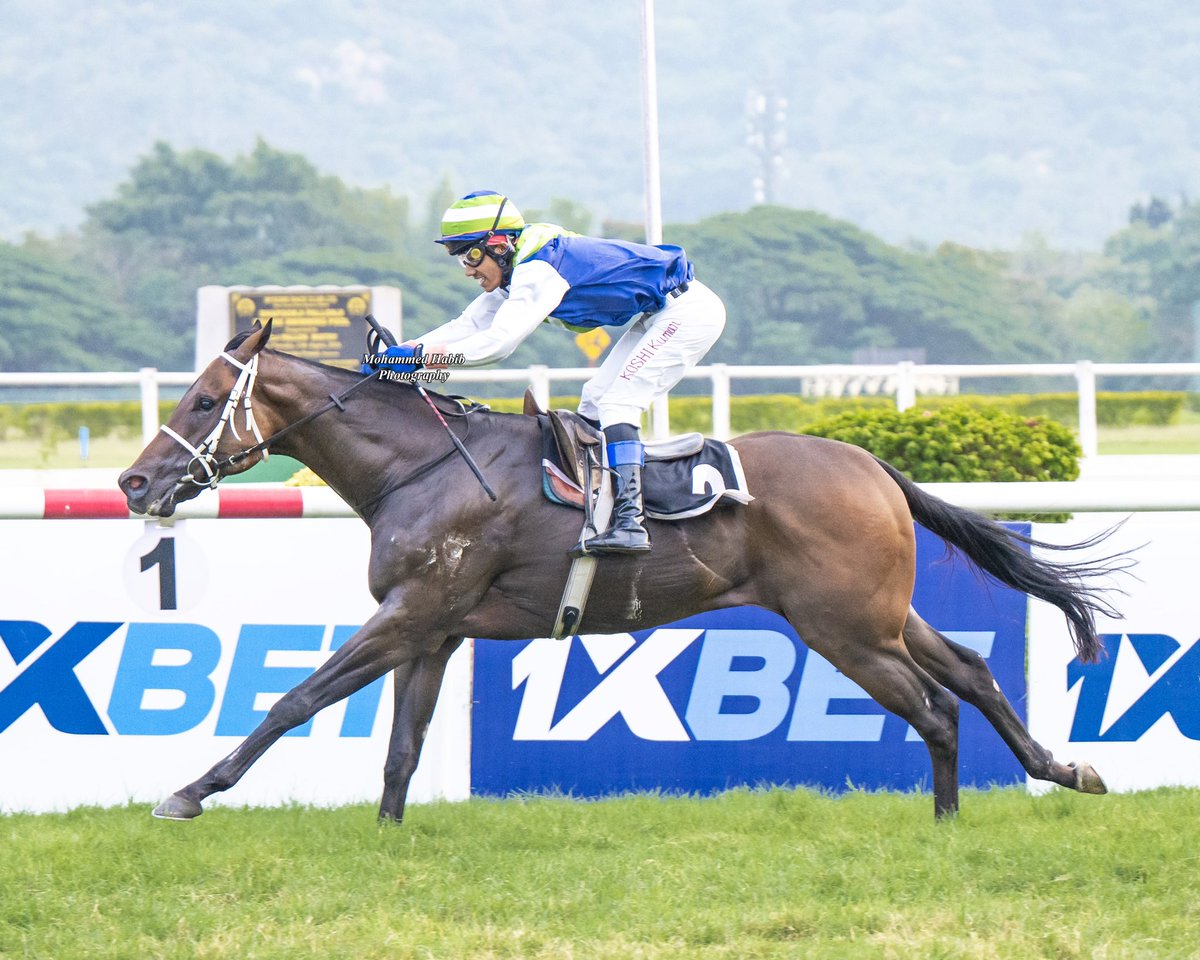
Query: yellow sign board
x: 323, y: 325
x: 593, y: 343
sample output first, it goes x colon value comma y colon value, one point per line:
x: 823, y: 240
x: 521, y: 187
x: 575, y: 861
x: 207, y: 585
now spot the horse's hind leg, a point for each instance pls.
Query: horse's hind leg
x: 417, y: 684
x: 884, y: 669
x: 966, y: 673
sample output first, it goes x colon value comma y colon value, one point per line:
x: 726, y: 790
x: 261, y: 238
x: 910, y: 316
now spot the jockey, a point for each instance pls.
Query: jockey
x: 530, y: 273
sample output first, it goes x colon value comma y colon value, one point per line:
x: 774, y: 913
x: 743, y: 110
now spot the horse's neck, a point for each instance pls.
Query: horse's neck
x: 355, y: 448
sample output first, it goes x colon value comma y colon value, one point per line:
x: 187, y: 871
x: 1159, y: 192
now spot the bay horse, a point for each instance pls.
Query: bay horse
x: 828, y: 544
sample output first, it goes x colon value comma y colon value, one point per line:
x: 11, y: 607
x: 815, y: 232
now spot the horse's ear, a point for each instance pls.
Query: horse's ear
x: 249, y: 342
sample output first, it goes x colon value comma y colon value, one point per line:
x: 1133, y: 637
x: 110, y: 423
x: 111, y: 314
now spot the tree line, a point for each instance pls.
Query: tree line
x: 800, y: 287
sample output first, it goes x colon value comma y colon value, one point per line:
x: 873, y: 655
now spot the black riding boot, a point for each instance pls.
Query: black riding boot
x: 625, y: 533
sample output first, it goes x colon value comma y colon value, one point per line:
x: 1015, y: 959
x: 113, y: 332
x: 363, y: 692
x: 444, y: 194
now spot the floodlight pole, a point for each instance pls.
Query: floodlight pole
x: 653, y: 192
x: 659, y: 424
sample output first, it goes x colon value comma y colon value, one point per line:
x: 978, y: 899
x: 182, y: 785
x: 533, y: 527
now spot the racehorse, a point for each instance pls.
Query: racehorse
x: 827, y: 543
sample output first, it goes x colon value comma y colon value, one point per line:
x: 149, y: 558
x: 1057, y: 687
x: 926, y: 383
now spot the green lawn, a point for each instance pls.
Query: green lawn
x: 1176, y: 438
x: 109, y: 452
x: 23, y: 453
x: 747, y: 874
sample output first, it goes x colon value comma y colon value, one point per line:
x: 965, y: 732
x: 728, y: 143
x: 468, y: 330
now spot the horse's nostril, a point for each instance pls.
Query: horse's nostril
x: 133, y: 484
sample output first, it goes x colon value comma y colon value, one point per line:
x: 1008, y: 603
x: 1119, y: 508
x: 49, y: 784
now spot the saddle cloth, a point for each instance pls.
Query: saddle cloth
x: 683, y: 477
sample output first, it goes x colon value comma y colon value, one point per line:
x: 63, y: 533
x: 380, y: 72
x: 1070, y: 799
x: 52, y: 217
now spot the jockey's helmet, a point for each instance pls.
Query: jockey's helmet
x: 478, y: 216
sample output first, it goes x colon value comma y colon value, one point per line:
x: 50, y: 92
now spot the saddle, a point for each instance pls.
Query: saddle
x: 571, y: 452
x: 684, y: 476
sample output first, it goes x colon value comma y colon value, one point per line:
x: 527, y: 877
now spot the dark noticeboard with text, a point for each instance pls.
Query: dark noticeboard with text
x: 322, y: 325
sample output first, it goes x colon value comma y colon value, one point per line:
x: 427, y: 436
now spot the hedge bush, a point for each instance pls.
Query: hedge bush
x: 767, y: 412
x: 962, y: 443
x: 1145, y: 408
x: 959, y: 443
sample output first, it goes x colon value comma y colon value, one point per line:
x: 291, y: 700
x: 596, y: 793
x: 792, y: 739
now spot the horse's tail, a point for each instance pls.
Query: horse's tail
x: 998, y: 551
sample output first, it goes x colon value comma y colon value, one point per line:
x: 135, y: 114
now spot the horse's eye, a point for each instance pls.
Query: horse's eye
x: 205, y: 403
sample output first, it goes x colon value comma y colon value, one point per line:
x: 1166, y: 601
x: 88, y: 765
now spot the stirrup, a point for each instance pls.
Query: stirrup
x: 593, y: 459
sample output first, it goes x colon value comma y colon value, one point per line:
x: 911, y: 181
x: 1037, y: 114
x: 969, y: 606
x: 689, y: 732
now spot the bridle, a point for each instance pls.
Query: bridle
x: 204, y: 453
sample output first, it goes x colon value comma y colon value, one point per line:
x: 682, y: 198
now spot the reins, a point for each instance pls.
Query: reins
x: 380, y: 335
x: 264, y: 445
x: 203, y: 454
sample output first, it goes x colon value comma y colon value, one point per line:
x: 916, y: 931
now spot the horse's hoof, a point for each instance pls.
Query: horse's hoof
x: 176, y: 807
x: 1087, y: 780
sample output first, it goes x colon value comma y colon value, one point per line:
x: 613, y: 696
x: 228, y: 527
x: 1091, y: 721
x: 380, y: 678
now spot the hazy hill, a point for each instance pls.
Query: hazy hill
x: 968, y: 120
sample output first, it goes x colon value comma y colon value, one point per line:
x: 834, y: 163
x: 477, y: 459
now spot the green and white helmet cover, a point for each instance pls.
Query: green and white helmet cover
x: 475, y: 215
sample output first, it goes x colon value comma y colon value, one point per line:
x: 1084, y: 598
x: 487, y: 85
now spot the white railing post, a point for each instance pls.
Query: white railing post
x: 660, y: 418
x: 148, y: 385
x: 906, y: 386
x: 539, y: 380
x: 722, y: 428
x: 1085, y: 378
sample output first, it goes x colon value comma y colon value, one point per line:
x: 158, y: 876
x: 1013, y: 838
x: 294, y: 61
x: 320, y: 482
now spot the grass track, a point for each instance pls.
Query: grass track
x: 746, y: 874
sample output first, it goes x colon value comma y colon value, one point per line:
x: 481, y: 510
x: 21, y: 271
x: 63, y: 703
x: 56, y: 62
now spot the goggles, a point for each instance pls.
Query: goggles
x: 496, y: 246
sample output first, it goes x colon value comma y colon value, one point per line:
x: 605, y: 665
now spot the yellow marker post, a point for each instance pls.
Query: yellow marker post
x: 593, y: 343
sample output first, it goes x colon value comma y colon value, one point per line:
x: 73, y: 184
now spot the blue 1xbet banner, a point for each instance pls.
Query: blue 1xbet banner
x: 728, y: 698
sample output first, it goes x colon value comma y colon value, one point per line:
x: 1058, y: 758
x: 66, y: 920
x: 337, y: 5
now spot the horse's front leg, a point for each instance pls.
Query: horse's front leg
x: 417, y: 684
x: 396, y: 634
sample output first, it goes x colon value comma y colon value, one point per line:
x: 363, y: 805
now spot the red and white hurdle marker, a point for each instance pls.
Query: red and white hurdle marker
x: 284, y: 503
x: 291, y: 503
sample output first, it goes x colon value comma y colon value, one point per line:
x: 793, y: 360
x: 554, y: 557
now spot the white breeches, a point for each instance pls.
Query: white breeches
x: 652, y: 356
